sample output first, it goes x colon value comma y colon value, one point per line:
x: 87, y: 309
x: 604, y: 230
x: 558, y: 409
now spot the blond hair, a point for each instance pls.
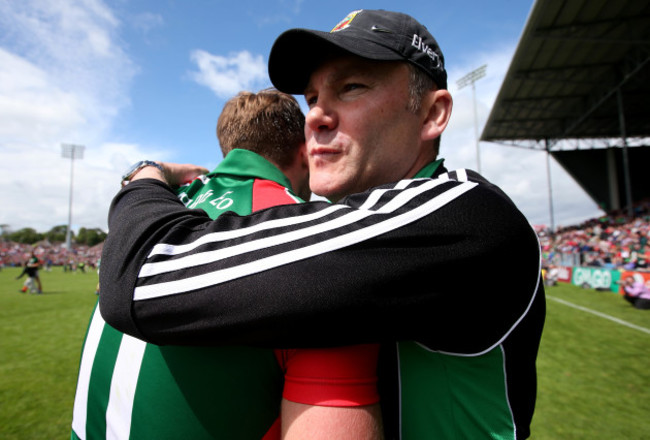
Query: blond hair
x: 269, y: 123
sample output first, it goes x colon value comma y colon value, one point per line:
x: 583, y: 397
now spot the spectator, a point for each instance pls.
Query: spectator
x: 636, y: 292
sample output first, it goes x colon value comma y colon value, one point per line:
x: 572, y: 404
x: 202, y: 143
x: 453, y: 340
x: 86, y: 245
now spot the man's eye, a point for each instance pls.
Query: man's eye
x: 352, y: 86
x: 311, y: 100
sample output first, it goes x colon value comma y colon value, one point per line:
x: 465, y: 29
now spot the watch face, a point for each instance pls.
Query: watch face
x: 133, y: 168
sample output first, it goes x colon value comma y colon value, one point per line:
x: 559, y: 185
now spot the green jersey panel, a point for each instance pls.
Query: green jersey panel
x: 462, y: 396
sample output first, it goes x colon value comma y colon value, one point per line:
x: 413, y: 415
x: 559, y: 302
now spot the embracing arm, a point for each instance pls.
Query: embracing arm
x: 415, y: 258
x: 301, y: 421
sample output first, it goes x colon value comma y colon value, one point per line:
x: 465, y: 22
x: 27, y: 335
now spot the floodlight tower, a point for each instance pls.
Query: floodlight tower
x: 471, y: 78
x: 73, y: 152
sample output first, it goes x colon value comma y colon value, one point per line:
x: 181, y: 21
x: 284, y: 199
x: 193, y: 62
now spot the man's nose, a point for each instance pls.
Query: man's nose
x: 321, y: 117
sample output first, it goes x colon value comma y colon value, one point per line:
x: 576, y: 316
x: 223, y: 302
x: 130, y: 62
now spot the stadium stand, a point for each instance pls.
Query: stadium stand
x: 15, y: 254
x: 613, y: 241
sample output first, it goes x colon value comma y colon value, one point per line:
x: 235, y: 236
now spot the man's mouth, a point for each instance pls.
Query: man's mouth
x: 324, y: 152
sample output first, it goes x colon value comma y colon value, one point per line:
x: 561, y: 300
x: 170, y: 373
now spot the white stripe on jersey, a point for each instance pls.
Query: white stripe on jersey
x: 79, y: 412
x: 307, y: 251
x: 461, y: 175
x: 168, y: 249
x: 150, y: 269
x: 123, y: 383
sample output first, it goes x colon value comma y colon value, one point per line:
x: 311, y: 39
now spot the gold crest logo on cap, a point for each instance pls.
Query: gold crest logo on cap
x: 345, y: 22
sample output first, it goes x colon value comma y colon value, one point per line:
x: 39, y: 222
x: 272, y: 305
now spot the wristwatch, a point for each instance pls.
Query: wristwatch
x: 136, y: 167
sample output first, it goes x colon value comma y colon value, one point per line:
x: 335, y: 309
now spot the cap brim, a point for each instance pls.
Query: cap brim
x: 296, y: 53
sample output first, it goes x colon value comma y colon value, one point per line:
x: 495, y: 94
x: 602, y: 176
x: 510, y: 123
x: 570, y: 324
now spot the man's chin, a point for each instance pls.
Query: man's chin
x: 322, y: 184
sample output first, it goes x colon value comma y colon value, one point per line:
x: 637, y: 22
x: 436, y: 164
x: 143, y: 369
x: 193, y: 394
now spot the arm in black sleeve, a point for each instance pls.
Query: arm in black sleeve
x: 140, y: 215
x: 417, y: 260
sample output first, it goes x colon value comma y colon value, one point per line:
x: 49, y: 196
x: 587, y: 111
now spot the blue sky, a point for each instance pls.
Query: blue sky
x: 146, y: 79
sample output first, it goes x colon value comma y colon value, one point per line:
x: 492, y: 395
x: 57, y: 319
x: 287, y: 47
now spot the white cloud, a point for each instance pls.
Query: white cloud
x: 31, y: 107
x: 227, y: 76
x: 62, y: 79
x: 521, y: 173
x: 36, y: 179
x: 63, y: 67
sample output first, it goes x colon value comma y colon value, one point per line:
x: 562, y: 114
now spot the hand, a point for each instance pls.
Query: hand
x: 178, y: 174
x: 174, y: 175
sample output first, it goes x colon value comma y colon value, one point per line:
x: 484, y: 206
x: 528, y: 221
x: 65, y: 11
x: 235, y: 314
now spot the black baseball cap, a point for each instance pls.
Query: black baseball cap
x: 372, y: 34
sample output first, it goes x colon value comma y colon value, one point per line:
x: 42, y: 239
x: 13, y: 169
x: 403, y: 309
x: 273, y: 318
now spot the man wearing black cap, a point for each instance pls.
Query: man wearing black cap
x: 367, y: 79
x: 380, y: 265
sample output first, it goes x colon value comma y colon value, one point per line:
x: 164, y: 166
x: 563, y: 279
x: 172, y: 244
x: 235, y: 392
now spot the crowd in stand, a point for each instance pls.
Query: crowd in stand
x: 614, y: 241
x: 78, y: 257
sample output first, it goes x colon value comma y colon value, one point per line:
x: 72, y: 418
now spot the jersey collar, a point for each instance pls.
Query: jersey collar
x: 245, y: 163
x: 430, y: 169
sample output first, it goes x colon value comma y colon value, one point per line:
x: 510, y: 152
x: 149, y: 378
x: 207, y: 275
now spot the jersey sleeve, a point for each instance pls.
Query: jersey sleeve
x: 340, y: 376
x: 414, y: 260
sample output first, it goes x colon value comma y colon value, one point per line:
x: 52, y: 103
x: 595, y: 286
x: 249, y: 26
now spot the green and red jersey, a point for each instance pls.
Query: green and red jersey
x: 130, y: 389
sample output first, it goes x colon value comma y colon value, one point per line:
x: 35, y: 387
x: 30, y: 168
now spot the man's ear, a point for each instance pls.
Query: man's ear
x: 437, y: 106
x: 302, y: 156
x: 299, y: 164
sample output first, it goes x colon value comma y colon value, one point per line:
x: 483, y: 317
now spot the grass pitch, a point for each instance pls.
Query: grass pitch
x: 594, y: 361
x: 593, y: 367
x: 40, y: 345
